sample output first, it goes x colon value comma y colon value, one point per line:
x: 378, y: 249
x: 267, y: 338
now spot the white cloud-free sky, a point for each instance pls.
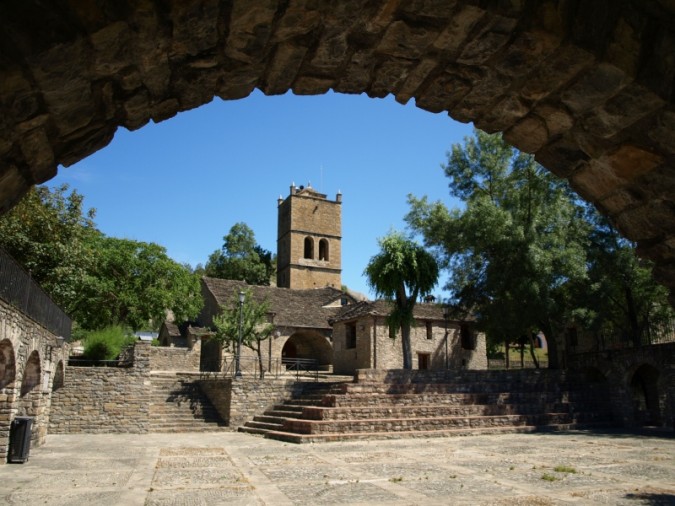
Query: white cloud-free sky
x: 184, y: 182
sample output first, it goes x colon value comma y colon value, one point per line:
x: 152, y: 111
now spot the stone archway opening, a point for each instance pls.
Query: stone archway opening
x: 7, y: 366
x: 30, y: 381
x: 644, y: 389
x: 308, y: 345
x: 59, y: 376
x: 588, y: 89
x: 30, y: 398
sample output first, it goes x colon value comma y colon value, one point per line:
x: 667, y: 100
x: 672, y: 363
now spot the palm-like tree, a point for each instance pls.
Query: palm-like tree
x: 401, y: 272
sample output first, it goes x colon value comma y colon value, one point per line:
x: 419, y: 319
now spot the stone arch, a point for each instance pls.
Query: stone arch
x: 309, y: 345
x: 59, y: 376
x: 7, y: 389
x: 590, y: 95
x: 32, y: 373
x: 324, y: 252
x: 644, y: 388
x: 7, y: 365
x: 308, y: 248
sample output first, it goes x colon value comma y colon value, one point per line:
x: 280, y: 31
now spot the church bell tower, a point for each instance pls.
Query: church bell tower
x: 309, y: 236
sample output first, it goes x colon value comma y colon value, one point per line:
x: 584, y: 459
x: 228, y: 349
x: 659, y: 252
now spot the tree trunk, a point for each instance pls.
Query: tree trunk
x: 260, y: 363
x: 506, y: 357
x: 405, y: 346
x: 532, y: 353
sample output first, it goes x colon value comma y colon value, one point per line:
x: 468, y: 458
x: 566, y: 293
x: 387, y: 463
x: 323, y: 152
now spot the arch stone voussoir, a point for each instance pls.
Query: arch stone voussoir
x: 587, y: 87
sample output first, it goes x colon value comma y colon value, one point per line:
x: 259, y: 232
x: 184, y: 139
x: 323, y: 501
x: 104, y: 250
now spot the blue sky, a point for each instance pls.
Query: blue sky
x: 184, y: 182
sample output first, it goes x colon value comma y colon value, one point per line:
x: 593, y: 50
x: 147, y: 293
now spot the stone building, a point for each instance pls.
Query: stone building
x: 362, y: 340
x: 170, y: 335
x: 300, y: 317
x: 309, y: 237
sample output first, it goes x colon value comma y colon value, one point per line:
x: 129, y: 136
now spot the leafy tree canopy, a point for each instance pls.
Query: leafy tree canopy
x: 402, y: 271
x: 48, y: 232
x: 241, y: 258
x: 98, y: 280
x: 523, y: 248
x: 255, y: 324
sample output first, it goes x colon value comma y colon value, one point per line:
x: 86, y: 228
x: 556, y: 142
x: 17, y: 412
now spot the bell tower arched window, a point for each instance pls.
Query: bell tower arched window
x: 323, y: 250
x: 309, y: 247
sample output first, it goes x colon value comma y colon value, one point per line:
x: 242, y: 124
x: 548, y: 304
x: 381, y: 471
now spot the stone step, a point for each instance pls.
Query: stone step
x: 283, y: 413
x: 291, y: 437
x: 253, y: 424
x: 266, y: 418
x: 364, y: 399
x: 427, y: 410
x: 424, y: 423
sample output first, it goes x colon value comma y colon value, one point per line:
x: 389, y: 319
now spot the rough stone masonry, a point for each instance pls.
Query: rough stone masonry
x: 585, y: 86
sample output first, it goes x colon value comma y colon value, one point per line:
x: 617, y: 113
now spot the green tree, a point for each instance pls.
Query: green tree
x: 255, y: 325
x: 520, y: 237
x: 402, y: 272
x: 620, y: 297
x: 134, y: 283
x: 98, y: 280
x: 48, y: 233
x: 241, y: 258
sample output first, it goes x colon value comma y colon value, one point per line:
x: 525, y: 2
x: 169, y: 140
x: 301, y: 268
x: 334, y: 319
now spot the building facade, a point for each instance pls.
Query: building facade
x: 362, y: 340
x: 309, y: 237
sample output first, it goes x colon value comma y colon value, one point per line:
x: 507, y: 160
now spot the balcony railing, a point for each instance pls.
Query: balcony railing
x: 21, y: 291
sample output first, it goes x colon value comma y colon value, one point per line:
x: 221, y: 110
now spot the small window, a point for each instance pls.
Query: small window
x: 430, y: 330
x: 323, y: 250
x: 423, y: 361
x: 468, y: 340
x: 309, y: 247
x: 350, y: 335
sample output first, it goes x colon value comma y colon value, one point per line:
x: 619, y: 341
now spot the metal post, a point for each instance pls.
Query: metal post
x: 237, y: 367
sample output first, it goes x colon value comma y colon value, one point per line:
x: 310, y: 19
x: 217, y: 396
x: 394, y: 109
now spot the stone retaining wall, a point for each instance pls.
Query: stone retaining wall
x: 174, y: 359
x: 101, y: 399
x: 250, y: 397
x: 104, y: 399
x: 30, y: 358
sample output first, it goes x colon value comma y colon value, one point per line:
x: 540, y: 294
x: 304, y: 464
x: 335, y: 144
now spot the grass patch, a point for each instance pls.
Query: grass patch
x: 548, y: 477
x: 396, y: 480
x: 565, y: 469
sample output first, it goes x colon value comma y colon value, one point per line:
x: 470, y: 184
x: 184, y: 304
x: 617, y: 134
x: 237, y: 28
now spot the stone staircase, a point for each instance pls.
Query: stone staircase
x: 177, y: 404
x: 274, y: 420
x: 421, y: 404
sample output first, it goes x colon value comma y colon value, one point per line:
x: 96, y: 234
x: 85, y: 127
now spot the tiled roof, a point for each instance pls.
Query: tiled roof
x: 421, y: 311
x: 292, y: 308
x: 172, y: 329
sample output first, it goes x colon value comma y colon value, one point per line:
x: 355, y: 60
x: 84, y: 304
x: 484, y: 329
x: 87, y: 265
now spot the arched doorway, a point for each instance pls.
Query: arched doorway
x: 308, y: 345
x: 645, y: 395
x: 7, y: 378
x: 7, y: 366
x: 30, y: 396
x: 59, y: 376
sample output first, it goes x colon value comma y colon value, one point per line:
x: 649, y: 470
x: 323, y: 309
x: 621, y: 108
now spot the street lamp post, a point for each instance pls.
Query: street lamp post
x: 237, y: 364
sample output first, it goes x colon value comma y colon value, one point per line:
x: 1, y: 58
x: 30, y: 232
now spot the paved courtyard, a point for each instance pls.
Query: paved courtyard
x: 239, y: 469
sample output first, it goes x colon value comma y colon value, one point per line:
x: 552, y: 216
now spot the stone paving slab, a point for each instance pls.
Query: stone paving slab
x: 239, y: 469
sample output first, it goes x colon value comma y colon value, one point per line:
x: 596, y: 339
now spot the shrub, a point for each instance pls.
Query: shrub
x: 106, y: 344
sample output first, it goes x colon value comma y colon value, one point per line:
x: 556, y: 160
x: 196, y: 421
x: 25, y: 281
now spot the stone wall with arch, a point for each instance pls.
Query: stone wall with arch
x: 30, y: 359
x: 639, y: 381
x: 588, y: 87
